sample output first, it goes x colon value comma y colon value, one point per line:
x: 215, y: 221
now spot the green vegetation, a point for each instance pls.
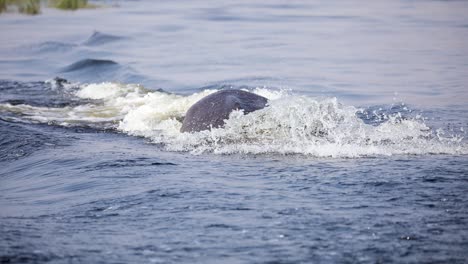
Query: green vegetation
x: 3, y: 6
x: 33, y: 7
x: 69, y: 4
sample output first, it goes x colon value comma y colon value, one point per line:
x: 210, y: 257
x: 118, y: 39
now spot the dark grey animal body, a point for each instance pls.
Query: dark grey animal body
x: 212, y: 110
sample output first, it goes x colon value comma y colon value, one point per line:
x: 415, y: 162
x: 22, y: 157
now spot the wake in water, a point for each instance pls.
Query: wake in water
x: 290, y: 124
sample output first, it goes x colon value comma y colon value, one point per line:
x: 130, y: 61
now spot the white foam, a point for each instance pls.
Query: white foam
x: 109, y: 91
x: 290, y: 124
x: 321, y: 128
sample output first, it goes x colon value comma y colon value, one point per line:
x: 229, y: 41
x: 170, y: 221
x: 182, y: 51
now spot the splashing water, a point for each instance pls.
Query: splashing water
x: 290, y: 124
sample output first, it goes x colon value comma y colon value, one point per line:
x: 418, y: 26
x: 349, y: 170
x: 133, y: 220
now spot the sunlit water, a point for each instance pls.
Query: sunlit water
x: 360, y: 155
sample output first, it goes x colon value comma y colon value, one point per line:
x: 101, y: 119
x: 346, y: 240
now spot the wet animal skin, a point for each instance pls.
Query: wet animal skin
x: 212, y: 110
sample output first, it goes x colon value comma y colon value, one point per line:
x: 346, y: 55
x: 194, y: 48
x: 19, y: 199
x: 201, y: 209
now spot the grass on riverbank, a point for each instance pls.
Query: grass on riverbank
x: 33, y: 7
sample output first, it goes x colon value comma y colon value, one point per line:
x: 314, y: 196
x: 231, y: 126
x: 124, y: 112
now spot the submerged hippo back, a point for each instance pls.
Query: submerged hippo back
x: 212, y: 110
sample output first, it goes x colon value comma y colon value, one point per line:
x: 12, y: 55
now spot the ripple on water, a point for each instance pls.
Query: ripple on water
x: 90, y: 64
x: 99, y: 38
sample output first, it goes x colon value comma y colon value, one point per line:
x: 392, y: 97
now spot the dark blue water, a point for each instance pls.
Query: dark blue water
x: 360, y: 156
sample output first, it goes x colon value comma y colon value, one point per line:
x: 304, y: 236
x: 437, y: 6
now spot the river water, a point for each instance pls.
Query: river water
x: 360, y: 156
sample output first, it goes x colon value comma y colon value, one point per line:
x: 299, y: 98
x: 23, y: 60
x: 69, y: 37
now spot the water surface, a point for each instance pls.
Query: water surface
x: 360, y: 155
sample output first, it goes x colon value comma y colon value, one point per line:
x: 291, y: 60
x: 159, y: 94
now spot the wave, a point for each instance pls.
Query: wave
x: 19, y: 140
x: 290, y: 124
x: 89, y: 64
x: 54, y: 93
x: 97, y: 70
x: 53, y: 46
x: 98, y: 38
